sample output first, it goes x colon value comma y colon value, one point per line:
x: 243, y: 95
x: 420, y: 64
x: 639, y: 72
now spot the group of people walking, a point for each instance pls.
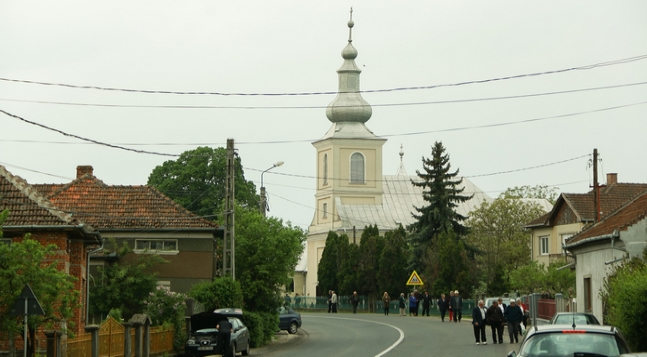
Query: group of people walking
x: 453, y: 304
x: 495, y: 316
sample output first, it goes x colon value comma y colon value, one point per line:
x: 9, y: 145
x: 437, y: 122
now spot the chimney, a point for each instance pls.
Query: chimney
x: 83, y: 169
x: 612, y: 179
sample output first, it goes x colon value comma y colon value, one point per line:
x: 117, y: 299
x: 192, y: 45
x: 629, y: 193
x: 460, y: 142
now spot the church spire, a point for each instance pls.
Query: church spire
x: 401, y: 169
x: 349, y: 106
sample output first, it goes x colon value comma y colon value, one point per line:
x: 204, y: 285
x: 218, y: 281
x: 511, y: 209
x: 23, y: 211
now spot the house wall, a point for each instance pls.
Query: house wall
x: 590, y: 264
x: 554, y: 234
x: 192, y: 263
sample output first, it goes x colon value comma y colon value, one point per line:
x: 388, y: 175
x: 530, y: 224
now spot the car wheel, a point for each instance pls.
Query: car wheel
x: 233, y: 349
x: 293, y: 328
x: 246, y: 350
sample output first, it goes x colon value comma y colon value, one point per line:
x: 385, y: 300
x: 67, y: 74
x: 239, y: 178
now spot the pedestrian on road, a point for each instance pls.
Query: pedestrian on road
x: 514, y: 316
x: 386, y: 300
x: 451, y: 305
x: 354, y: 300
x: 333, y: 302
x: 478, y: 322
x: 457, y: 307
x: 524, y: 310
x: 329, y: 301
x: 442, y: 306
x: 402, y: 304
x: 495, y: 320
x: 413, y: 305
x: 426, y: 303
x: 297, y: 300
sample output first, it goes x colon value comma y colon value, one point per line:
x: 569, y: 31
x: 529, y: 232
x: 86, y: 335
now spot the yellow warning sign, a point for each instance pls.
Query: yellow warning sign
x: 414, y: 279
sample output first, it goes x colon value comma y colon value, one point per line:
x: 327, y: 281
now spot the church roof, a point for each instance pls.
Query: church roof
x: 399, y: 201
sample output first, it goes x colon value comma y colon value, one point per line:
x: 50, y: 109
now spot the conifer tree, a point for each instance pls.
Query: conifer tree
x: 443, y: 192
x: 328, y: 268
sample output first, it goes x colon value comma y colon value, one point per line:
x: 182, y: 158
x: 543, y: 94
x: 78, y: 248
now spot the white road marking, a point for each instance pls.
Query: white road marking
x: 373, y: 322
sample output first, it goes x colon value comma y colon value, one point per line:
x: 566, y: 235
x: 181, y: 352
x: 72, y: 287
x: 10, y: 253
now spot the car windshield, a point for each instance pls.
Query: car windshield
x: 566, y: 344
x: 578, y: 319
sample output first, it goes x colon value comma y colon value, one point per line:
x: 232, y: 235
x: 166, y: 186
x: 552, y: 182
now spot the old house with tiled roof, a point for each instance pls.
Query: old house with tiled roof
x: 571, y: 213
x: 32, y: 213
x: 620, y: 234
x: 146, y: 219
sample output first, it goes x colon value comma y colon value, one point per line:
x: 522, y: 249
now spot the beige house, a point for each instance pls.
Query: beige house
x: 571, y: 213
x: 620, y: 234
x: 352, y: 191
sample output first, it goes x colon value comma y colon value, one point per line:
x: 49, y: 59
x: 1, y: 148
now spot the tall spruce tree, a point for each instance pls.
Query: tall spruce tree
x: 443, y: 192
x: 328, y: 268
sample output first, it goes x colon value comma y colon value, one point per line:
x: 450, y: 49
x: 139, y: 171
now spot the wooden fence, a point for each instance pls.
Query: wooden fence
x: 112, y: 337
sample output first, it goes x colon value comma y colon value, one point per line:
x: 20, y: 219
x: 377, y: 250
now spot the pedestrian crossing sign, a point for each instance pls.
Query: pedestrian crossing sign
x: 414, y: 279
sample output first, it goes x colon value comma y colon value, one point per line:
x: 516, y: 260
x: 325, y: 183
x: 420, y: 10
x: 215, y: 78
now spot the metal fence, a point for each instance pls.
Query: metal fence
x: 320, y: 303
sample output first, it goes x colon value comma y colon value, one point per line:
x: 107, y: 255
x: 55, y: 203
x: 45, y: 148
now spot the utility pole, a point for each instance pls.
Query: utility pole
x: 229, y: 244
x: 596, y: 187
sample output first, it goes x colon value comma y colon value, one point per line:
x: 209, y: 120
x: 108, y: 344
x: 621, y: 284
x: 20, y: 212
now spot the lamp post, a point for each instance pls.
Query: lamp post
x: 263, y: 197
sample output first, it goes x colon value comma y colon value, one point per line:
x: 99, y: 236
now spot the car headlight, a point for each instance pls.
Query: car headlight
x: 190, y: 342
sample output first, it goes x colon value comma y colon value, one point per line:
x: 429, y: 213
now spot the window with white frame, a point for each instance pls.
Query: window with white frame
x: 325, y: 210
x: 357, y: 168
x: 565, y: 237
x: 543, y: 245
x: 159, y: 246
x: 325, y: 169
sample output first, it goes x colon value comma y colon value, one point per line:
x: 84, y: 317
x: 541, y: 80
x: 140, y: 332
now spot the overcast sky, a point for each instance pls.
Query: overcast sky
x: 292, y: 46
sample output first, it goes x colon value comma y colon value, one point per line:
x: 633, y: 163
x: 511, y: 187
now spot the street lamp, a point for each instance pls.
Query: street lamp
x: 263, y: 197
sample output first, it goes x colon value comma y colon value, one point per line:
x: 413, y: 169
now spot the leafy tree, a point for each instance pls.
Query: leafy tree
x: 196, y: 180
x: 442, y: 193
x: 220, y: 293
x: 328, y: 268
x: 450, y: 269
x: 392, y: 274
x: 529, y: 278
x: 267, y: 251
x: 124, y: 285
x: 539, y: 191
x: 29, y: 262
x: 497, y: 233
x: 166, y: 307
x: 625, y: 300
x: 559, y: 280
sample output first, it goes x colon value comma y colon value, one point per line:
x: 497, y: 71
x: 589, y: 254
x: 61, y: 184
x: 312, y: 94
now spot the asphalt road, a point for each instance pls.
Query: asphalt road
x: 324, y: 335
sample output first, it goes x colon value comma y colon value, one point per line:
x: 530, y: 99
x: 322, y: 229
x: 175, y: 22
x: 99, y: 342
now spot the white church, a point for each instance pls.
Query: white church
x: 352, y: 191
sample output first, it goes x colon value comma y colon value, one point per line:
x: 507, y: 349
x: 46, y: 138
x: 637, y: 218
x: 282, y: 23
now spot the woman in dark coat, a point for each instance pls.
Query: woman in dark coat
x: 442, y: 306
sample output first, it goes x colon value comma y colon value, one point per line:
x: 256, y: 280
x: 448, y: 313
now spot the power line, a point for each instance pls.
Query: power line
x: 311, y: 140
x: 86, y: 139
x: 148, y: 91
x: 320, y: 106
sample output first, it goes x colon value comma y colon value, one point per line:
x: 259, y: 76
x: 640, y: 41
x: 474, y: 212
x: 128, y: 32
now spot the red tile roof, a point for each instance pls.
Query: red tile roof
x: 27, y: 206
x: 624, y: 217
x: 108, y: 207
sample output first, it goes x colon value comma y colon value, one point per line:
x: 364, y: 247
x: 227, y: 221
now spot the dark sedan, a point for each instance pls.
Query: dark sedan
x: 203, y: 340
x: 289, y: 320
x: 577, y: 318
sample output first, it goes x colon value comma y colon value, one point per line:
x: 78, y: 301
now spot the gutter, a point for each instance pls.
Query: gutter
x: 613, y: 235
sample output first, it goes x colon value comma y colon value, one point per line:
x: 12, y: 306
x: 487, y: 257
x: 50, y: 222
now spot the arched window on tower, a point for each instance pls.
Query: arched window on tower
x: 325, y: 169
x: 357, y: 168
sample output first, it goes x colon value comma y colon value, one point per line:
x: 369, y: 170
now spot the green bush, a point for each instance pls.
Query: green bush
x: 219, y: 293
x: 270, y: 325
x: 626, y: 302
x: 254, y: 323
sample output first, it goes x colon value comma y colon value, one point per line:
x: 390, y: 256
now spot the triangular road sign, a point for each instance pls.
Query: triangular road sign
x: 414, y: 279
x: 33, y: 307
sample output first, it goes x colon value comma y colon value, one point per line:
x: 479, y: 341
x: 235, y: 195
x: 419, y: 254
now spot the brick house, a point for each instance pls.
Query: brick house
x: 30, y: 212
x: 620, y: 234
x: 149, y: 221
x: 571, y: 213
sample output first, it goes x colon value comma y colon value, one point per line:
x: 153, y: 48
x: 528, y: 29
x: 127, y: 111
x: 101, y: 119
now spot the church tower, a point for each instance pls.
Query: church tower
x: 349, y: 160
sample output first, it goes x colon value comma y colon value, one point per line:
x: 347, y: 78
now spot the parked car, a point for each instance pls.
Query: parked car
x: 289, y: 320
x: 577, y: 318
x: 564, y: 340
x: 203, y: 339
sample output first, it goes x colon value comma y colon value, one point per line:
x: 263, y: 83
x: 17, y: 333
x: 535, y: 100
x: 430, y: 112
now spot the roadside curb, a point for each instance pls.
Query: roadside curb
x: 280, y: 341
